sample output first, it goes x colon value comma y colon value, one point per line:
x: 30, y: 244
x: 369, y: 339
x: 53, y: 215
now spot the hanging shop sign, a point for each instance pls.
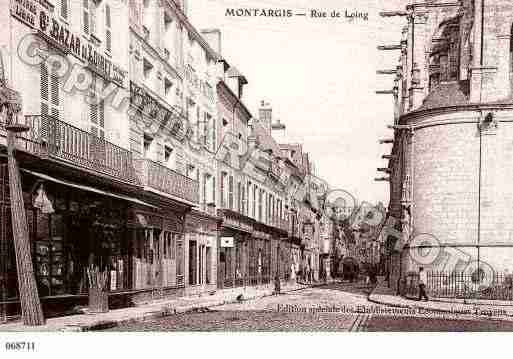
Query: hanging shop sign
x: 233, y: 222
x: 227, y: 242
x: 37, y: 15
x: 172, y: 119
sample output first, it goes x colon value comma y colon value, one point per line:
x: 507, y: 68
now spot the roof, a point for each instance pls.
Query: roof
x: 297, y: 158
x: 234, y: 72
x: 265, y: 139
x: 447, y: 94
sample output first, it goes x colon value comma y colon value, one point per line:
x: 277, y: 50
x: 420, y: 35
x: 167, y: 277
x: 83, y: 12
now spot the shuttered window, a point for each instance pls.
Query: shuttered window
x: 89, y: 17
x: 108, y: 33
x: 239, y: 197
x: 92, y: 17
x: 230, y: 193
x: 49, y: 87
x: 64, y: 9
x: 97, y: 117
x: 85, y: 16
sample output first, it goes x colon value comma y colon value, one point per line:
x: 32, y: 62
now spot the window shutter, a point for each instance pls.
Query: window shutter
x: 223, y: 178
x: 213, y: 189
x: 85, y: 20
x: 64, y: 9
x: 108, y: 34
x: 107, y: 16
x: 231, y: 189
x: 94, y: 112
x: 92, y: 19
x: 213, y: 134
x: 101, y: 119
x: 101, y: 114
x: 44, y: 82
x: 54, y: 82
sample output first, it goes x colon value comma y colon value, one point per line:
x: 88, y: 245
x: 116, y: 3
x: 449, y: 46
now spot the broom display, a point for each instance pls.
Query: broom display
x: 98, y: 290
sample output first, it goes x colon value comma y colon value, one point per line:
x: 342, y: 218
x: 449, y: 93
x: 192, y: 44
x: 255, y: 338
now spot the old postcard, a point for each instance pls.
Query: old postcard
x: 255, y: 166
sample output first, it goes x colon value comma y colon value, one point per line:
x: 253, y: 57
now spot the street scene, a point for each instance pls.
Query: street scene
x: 317, y: 309
x: 216, y: 166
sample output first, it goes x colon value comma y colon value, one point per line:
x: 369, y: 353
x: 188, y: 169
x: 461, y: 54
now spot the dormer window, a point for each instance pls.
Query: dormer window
x: 444, y: 64
x: 167, y: 86
x: 147, y: 68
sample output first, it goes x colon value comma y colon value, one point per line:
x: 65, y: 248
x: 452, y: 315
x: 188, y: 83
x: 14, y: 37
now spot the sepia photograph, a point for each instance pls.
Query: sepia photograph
x: 276, y: 166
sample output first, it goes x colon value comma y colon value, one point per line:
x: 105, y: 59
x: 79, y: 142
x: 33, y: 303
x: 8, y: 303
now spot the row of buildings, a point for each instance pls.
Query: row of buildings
x: 451, y: 160
x: 143, y: 159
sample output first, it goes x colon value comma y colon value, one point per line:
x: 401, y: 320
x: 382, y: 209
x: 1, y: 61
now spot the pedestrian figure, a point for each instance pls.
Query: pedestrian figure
x: 277, y: 285
x: 307, y: 279
x: 422, y: 284
x: 292, y: 272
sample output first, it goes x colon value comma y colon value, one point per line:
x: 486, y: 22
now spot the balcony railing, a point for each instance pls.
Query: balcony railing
x: 280, y: 223
x: 166, y: 180
x: 50, y: 137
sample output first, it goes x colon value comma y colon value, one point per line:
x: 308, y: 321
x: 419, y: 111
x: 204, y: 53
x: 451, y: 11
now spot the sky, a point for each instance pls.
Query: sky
x: 319, y: 75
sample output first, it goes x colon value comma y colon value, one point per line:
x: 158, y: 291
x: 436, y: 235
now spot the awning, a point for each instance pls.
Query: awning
x: 88, y: 188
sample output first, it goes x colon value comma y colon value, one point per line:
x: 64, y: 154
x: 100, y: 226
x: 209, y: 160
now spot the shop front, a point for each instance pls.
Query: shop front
x: 235, y: 249
x: 201, y: 253
x: 245, y: 250
x: 83, y: 227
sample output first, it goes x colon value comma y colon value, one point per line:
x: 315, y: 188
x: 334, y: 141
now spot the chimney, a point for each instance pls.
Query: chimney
x: 278, y: 131
x: 265, y: 115
x: 184, y: 6
x: 213, y: 38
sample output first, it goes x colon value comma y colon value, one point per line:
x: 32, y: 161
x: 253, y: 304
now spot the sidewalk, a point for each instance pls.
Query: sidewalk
x: 490, y: 309
x: 150, y: 310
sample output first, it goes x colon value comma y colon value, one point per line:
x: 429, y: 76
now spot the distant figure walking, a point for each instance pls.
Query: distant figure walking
x: 422, y: 284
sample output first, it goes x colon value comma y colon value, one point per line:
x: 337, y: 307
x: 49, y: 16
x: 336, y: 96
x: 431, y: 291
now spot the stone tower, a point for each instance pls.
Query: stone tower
x: 452, y: 159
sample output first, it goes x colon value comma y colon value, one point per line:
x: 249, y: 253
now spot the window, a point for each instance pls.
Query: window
x: 179, y: 258
x: 193, y: 258
x: 147, y: 141
x: 168, y: 85
x: 243, y: 199
x: 89, y: 17
x: 97, y: 117
x: 201, y: 263
x: 169, y: 156
x: 147, y: 67
x: 248, y: 195
x: 50, y: 96
x: 254, y: 200
x: 212, y: 191
x: 64, y: 9
x: 85, y: 17
x: 208, y: 131
x: 260, y: 200
x: 239, y: 197
x: 168, y: 20
x: 169, y: 246
x: 230, y: 193
x: 197, y: 125
x: 204, y: 188
x: 146, y: 17
x: 223, y: 189
x: 191, y: 171
x: 208, y: 274
x: 108, y: 31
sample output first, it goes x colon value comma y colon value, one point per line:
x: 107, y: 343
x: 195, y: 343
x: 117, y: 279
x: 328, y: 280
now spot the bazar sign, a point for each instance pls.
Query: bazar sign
x: 37, y: 15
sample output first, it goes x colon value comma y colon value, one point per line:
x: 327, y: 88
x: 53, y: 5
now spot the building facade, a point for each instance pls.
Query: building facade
x: 450, y: 160
x: 142, y: 159
x: 175, y: 67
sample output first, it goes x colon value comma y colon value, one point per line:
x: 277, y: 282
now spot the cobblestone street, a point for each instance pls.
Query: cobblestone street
x: 334, y: 307
x: 294, y: 311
